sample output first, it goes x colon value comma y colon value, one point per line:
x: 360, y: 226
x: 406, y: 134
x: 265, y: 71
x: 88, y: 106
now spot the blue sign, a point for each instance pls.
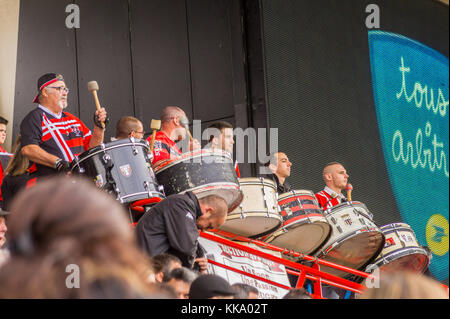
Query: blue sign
x: 410, y: 84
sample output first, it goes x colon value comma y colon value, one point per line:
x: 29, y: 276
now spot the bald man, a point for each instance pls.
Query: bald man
x: 336, y: 178
x: 281, y: 169
x: 129, y: 126
x: 172, y: 131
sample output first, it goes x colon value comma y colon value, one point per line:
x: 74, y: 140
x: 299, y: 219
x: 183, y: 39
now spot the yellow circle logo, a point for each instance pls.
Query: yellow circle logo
x: 437, y: 234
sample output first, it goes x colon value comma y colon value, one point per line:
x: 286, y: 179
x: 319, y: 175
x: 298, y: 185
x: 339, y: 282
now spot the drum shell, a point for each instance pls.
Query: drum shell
x: 258, y: 213
x: 131, y: 176
x: 305, y: 229
x: 401, y: 250
x: 355, y: 240
x: 204, y: 172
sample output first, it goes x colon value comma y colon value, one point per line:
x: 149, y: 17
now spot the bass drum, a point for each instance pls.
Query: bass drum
x: 258, y: 213
x: 122, y: 168
x: 355, y: 240
x: 305, y: 229
x: 402, y: 251
x: 203, y: 172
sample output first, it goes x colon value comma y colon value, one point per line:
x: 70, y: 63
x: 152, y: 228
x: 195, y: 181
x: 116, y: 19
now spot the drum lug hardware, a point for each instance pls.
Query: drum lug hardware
x: 339, y: 229
x: 333, y: 220
x: 81, y: 170
x: 106, y: 158
x: 161, y: 189
x: 361, y: 220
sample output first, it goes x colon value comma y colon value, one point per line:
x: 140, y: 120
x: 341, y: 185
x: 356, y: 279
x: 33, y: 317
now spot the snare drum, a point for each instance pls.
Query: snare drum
x: 258, y: 213
x: 122, y: 167
x: 355, y: 240
x: 204, y: 172
x: 304, y: 228
x: 401, y: 251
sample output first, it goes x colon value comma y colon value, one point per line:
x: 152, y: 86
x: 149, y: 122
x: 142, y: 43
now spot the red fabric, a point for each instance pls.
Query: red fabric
x: 324, y: 200
x: 164, y: 148
x: 236, y: 167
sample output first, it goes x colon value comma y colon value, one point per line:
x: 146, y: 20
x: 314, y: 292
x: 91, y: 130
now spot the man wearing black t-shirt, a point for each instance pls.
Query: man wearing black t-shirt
x: 281, y: 169
x: 52, y: 137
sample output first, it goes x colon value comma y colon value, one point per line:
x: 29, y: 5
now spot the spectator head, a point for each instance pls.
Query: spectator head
x: 163, y: 264
x: 211, y: 287
x: 181, y: 279
x: 405, y: 285
x: 3, y: 228
x: 68, y: 221
x: 244, y: 291
x: 297, y: 293
x: 3, y: 123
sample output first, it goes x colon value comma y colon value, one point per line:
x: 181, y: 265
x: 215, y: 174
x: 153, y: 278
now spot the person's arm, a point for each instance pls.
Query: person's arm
x: 38, y: 155
x: 98, y: 133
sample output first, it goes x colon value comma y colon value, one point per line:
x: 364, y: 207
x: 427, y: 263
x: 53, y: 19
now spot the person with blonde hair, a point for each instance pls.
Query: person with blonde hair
x: 405, y: 285
x: 63, y: 234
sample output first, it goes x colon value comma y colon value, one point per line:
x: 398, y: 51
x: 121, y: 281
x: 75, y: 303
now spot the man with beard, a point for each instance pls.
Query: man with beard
x: 52, y: 137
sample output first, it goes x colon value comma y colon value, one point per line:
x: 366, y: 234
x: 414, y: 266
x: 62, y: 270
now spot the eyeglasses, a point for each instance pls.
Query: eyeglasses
x: 59, y: 88
x: 143, y: 132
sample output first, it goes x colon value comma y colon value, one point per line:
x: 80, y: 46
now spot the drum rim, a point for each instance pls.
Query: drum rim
x: 140, y: 193
x: 285, y: 194
x: 79, y: 159
x: 345, y: 204
x: 392, y: 227
x: 256, y: 181
x: 166, y: 164
x: 401, y: 252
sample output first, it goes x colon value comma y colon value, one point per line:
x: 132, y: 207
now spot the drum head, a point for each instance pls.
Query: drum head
x: 254, y: 225
x: 306, y: 238
x: 355, y: 252
x: 414, y: 263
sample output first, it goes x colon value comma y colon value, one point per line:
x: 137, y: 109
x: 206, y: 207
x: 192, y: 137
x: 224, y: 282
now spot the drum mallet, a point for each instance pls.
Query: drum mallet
x: 154, y: 126
x: 93, y: 88
x: 184, y: 121
x: 349, y: 189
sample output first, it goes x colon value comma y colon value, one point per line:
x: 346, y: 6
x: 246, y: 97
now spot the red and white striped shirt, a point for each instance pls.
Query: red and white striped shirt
x: 328, y: 198
x: 64, y: 136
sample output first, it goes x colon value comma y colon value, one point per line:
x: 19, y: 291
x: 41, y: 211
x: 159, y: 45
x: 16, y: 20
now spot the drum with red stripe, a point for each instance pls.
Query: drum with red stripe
x: 304, y: 227
x: 204, y: 172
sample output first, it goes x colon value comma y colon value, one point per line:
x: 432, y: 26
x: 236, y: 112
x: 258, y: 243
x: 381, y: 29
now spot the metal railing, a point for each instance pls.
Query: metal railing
x: 304, y: 272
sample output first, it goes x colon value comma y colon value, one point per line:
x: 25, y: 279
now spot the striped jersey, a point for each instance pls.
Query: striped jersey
x: 328, y: 198
x: 164, y: 148
x: 64, y: 136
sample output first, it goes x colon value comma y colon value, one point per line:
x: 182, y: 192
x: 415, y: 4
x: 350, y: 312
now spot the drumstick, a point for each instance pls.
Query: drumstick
x: 184, y: 121
x: 154, y: 125
x: 349, y: 189
x: 93, y: 88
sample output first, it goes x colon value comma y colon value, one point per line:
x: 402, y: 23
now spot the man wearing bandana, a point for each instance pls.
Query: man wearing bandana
x: 52, y: 137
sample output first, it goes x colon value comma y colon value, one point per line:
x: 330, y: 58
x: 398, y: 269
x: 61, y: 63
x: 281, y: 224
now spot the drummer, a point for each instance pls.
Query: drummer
x: 52, y: 137
x: 281, y: 169
x: 335, y: 177
x: 172, y: 131
x: 129, y: 126
x: 221, y: 137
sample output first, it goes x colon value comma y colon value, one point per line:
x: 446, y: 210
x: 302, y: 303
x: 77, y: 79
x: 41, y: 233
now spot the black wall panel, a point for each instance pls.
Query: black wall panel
x: 160, y: 57
x: 45, y: 45
x: 103, y: 51
x: 210, y: 49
